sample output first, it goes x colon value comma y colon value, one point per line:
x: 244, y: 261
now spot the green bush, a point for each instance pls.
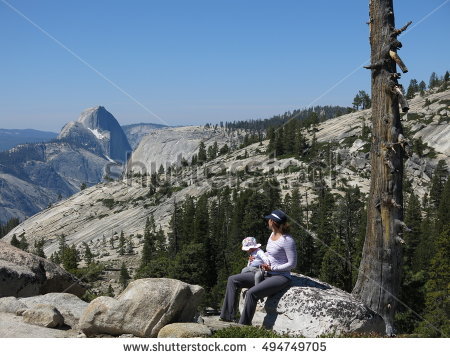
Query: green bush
x: 246, y: 332
x: 353, y: 335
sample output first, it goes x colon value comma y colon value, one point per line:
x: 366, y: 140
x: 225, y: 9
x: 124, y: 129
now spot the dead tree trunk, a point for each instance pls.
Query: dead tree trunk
x: 378, y: 281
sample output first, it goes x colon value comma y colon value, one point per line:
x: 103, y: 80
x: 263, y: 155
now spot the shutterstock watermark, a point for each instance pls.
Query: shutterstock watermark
x: 245, y: 172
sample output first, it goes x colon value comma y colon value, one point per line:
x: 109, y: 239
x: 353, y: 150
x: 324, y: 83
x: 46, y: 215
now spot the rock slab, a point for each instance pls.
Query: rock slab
x: 70, y: 306
x: 146, y: 306
x: 12, y: 305
x: 43, y: 315
x: 13, y: 326
x: 23, y: 275
x: 311, y: 308
x: 184, y: 330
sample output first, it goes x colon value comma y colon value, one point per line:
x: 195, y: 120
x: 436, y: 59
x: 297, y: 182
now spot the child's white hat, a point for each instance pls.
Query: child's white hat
x: 249, y: 243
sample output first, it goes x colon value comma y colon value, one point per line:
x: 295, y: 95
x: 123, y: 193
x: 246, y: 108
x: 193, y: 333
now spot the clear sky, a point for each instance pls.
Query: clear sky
x: 197, y: 61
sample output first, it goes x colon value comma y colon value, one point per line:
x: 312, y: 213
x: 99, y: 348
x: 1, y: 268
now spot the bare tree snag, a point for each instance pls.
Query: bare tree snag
x: 378, y: 281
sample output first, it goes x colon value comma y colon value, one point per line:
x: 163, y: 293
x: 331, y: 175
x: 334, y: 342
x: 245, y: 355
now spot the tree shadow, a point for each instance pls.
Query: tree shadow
x: 271, y: 302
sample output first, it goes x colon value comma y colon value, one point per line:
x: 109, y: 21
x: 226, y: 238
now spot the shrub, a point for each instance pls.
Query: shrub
x: 246, y: 332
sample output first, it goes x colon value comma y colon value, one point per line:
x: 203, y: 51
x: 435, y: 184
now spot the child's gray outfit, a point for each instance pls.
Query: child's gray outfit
x: 260, y: 258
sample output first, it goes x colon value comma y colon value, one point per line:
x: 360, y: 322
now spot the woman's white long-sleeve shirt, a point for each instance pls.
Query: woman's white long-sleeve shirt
x: 282, y: 255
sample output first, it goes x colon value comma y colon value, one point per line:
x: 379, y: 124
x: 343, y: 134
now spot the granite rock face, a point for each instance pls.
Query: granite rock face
x: 135, y: 132
x: 311, y: 308
x: 146, y: 306
x: 23, y: 274
x: 169, y: 145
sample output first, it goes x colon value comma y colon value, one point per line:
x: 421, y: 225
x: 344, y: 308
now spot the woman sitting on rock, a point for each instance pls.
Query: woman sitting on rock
x: 282, y: 255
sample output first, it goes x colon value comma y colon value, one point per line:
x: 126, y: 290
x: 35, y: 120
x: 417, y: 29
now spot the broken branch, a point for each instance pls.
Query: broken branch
x: 397, y: 32
x: 403, y: 102
x: 400, y: 240
x: 398, y: 60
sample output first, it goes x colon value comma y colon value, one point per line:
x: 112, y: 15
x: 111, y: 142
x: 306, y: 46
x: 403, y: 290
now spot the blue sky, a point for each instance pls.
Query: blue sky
x: 197, y: 61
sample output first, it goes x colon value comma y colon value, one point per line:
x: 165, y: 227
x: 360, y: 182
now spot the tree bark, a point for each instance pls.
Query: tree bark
x: 378, y: 281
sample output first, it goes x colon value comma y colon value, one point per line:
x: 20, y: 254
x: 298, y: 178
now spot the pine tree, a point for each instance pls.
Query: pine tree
x: 124, y: 276
x: 10, y: 224
x: 271, y: 191
x: 23, y: 242
x: 202, y: 155
x: 333, y: 267
x: 304, y: 241
x: 176, y: 229
x: 413, y: 220
x: 70, y: 258
x: 189, y: 264
x: 122, y: 244
x: 187, y: 220
x: 272, y: 138
x: 437, y: 183
x: 148, y: 249
x: 160, y: 242
x: 88, y: 256
x: 357, y: 102
x: 366, y: 102
x: 129, y: 246
x: 15, y: 242
x: 437, y: 322
x: 279, y: 142
x: 434, y: 81
x: 39, y: 248
x: 443, y: 212
x: 422, y: 88
x: 349, y: 214
x: 413, y: 88
x: 322, y: 223
x: 110, y: 292
x: 425, y: 249
x: 413, y: 280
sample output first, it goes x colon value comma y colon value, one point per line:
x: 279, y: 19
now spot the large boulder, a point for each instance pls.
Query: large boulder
x: 43, y: 315
x: 23, y: 275
x: 311, y: 308
x: 70, y: 306
x: 143, y: 308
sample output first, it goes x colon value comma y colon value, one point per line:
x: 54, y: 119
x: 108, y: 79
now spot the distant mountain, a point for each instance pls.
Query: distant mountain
x: 36, y: 175
x: 135, y: 132
x: 9, y: 138
x: 97, y: 126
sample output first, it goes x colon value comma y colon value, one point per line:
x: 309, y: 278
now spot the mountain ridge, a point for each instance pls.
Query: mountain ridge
x: 95, y: 213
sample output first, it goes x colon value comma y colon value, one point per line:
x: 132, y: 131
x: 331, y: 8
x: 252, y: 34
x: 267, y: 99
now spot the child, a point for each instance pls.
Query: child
x: 250, y: 245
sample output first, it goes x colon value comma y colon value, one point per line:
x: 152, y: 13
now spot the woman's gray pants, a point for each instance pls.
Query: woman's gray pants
x: 268, y: 287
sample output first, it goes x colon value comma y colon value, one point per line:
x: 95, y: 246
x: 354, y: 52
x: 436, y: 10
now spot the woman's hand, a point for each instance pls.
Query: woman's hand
x: 251, y: 258
x: 266, y: 267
